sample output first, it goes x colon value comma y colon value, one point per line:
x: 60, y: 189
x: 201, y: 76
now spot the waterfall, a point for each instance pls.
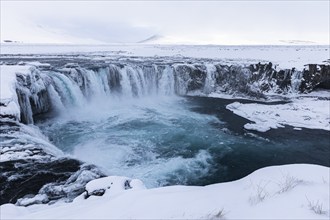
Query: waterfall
x: 114, y: 79
x: 296, y: 79
x: 181, y: 79
x: 104, y: 80
x: 25, y: 105
x: 166, y: 82
x: 128, y: 94
x: 75, y: 86
x: 210, y: 78
x: 55, y: 99
x: 69, y: 91
x: 127, y: 89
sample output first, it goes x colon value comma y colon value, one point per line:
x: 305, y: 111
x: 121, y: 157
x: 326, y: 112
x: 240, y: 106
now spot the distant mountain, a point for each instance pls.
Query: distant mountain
x: 297, y: 42
x: 160, y: 39
x: 152, y: 39
x: 11, y: 41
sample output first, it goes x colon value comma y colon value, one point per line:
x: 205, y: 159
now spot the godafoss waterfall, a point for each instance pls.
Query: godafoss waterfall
x: 66, y: 120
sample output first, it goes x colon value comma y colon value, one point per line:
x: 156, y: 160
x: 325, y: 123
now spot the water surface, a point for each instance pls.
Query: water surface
x: 177, y: 140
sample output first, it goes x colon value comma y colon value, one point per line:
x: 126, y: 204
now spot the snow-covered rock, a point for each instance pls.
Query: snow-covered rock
x: 9, y: 106
x: 23, y: 92
x: 112, y: 185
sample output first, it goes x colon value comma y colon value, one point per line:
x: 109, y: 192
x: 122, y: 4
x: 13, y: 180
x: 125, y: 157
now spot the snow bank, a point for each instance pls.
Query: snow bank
x: 112, y: 185
x: 278, y: 192
x: 301, y: 113
x: 21, y: 87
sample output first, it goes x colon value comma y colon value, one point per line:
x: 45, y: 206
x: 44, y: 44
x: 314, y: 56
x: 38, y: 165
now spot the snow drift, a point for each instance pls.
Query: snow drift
x: 279, y: 192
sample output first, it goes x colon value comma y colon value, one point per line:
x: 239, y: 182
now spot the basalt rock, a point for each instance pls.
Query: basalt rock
x: 315, y: 76
x: 33, y: 98
x: 189, y: 77
x: 22, y: 177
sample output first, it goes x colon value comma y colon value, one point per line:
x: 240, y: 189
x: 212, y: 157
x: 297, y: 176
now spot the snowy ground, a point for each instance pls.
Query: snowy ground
x: 302, y: 112
x: 282, y: 56
x: 279, y: 192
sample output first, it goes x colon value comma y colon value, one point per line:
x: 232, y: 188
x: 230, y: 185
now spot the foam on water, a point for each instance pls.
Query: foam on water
x: 127, y: 119
x: 158, y: 140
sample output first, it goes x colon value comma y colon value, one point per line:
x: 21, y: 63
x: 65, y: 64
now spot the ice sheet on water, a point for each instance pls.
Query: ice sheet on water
x: 302, y: 112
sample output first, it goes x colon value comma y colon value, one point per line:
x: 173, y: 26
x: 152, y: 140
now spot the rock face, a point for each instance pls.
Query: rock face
x: 315, y: 76
x: 32, y: 95
x: 21, y: 178
x: 192, y: 75
x: 68, y: 180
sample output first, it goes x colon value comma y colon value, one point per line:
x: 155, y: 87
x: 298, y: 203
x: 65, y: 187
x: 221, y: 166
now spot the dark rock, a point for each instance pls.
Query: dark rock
x: 98, y: 192
x: 22, y: 177
x: 283, y: 79
x: 41, y: 104
x: 192, y: 76
x: 127, y: 185
x: 31, y: 101
x: 315, y: 76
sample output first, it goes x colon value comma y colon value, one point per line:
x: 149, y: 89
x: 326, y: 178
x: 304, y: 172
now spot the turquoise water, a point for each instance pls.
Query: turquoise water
x: 177, y: 140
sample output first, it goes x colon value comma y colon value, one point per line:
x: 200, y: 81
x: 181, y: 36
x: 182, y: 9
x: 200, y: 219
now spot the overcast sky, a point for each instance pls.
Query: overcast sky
x: 194, y: 22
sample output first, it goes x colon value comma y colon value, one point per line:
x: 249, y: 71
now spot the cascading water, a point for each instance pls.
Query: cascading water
x: 77, y: 85
x: 134, y: 119
x: 56, y: 101
x: 133, y: 112
x: 127, y: 119
x: 68, y: 89
x: 210, y: 79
